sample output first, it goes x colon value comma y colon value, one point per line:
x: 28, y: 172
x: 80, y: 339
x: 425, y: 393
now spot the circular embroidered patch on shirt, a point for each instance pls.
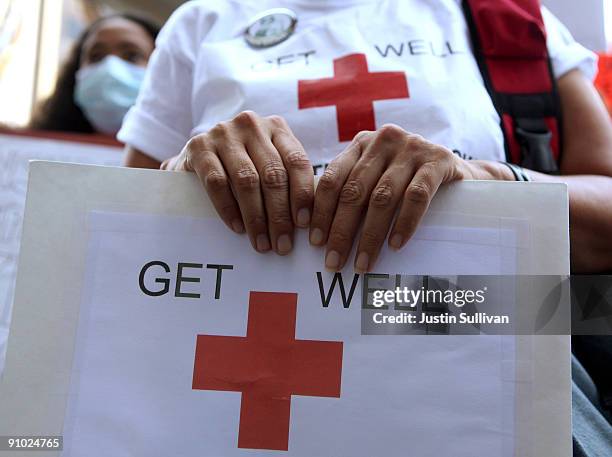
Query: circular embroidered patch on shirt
x: 271, y: 27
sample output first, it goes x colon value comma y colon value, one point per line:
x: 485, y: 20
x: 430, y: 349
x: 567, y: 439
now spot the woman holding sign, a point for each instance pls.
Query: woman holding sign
x: 385, y: 101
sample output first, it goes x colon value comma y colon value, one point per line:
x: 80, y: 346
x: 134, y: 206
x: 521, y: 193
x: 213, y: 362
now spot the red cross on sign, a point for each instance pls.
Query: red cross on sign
x: 353, y: 90
x: 268, y: 366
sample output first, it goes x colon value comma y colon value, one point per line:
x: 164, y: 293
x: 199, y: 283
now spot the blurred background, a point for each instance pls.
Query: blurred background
x: 35, y: 36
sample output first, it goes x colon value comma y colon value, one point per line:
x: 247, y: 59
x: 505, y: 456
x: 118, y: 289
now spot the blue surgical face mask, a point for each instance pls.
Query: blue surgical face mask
x: 106, y: 90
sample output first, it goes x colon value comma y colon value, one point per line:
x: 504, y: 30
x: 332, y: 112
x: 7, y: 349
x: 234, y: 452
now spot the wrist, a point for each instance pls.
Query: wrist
x: 519, y: 173
x: 485, y: 170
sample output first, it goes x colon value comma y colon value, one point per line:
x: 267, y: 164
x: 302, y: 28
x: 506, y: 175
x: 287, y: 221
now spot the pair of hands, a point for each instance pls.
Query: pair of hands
x: 260, y: 180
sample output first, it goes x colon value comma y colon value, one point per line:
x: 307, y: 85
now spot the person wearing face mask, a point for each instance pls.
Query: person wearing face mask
x: 101, y: 78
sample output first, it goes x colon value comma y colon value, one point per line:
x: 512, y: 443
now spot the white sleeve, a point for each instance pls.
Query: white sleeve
x: 566, y: 53
x: 160, y: 123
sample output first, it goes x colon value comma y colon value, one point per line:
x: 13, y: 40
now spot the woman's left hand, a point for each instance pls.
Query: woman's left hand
x: 379, y: 172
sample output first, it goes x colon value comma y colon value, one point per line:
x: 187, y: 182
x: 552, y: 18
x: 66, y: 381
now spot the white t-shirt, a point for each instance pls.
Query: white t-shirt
x: 350, y: 65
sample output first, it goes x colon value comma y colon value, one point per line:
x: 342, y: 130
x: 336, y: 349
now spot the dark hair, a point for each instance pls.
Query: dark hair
x: 59, y: 112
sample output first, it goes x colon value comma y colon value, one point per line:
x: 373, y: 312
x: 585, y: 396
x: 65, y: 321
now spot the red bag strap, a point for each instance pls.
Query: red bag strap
x: 509, y: 42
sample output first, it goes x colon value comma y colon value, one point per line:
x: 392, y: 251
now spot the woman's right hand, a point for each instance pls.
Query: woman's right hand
x: 257, y: 176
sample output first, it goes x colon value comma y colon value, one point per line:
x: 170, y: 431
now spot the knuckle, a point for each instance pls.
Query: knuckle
x: 360, y: 142
x: 391, y: 133
x: 421, y: 150
x: 255, y: 221
x: 415, y: 149
x: 221, y: 130
x: 328, y: 182
x: 297, y: 160
x: 246, y: 118
x: 362, y: 136
x: 303, y: 195
x: 414, y: 139
x: 192, y: 153
x: 338, y: 236
x: 280, y: 219
x: 442, y: 154
x: 246, y: 180
x: 352, y: 193
x: 276, y: 120
x: 370, y: 238
x: 274, y: 176
x: 216, y: 181
x: 382, y: 197
x: 418, y: 194
x: 196, y: 145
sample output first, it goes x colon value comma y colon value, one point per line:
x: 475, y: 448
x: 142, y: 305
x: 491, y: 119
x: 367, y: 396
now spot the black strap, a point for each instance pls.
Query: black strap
x: 528, y: 112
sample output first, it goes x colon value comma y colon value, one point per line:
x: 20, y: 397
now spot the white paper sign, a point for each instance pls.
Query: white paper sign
x: 127, y: 360
x: 146, y: 366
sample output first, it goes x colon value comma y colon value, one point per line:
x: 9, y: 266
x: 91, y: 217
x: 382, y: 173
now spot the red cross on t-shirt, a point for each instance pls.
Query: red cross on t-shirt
x: 268, y: 366
x: 352, y: 90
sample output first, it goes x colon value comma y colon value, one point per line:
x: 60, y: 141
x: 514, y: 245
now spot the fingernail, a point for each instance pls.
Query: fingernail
x: 362, y: 263
x: 332, y: 260
x: 263, y: 243
x: 284, y: 244
x: 238, y: 226
x: 396, y: 241
x: 316, y: 236
x: 303, y: 217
